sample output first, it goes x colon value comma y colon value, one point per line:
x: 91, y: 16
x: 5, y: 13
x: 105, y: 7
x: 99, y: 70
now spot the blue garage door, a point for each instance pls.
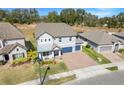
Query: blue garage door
x: 77, y: 47
x: 67, y: 49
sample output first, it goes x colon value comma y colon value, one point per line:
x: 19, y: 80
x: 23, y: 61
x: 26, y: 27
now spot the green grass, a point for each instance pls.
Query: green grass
x: 94, y: 55
x: 27, y: 72
x: 15, y: 75
x: 60, y: 81
x: 114, y: 68
x: 54, y: 68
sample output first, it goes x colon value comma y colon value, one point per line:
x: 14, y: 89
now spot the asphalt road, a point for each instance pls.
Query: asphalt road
x: 114, y: 78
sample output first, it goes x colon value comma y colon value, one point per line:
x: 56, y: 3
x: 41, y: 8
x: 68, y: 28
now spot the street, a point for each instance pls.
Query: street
x: 115, y: 78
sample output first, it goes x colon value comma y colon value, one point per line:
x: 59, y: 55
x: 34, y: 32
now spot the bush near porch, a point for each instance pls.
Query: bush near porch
x: 22, y: 73
x: 96, y: 56
x: 20, y: 61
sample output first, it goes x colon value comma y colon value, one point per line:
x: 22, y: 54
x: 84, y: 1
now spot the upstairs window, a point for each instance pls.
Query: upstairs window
x: 70, y: 38
x: 17, y: 49
x: 49, y: 39
x: 45, y: 40
x: 60, y: 39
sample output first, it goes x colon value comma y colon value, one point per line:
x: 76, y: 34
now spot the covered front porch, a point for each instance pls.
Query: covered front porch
x: 50, y: 54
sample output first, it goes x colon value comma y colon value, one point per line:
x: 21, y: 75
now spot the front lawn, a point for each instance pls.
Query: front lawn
x: 26, y: 72
x: 54, y: 68
x: 96, y: 56
x: 121, y: 51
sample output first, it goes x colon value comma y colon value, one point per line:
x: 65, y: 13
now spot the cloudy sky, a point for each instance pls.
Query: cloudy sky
x: 100, y: 12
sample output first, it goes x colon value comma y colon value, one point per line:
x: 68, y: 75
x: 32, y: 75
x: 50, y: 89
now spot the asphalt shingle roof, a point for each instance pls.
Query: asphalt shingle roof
x: 8, y: 48
x: 121, y: 34
x: 54, y: 29
x: 99, y: 37
x: 8, y: 31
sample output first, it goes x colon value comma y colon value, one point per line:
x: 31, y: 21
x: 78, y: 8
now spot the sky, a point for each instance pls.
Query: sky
x: 100, y: 12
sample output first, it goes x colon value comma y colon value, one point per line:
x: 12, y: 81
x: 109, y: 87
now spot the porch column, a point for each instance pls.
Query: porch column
x: 52, y: 53
x: 40, y: 55
x: 59, y: 52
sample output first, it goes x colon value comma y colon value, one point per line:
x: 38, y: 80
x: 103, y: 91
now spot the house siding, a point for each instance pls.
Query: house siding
x: 1, y: 44
x: 63, y: 44
x: 14, y: 51
x: 20, y: 41
x: 1, y: 58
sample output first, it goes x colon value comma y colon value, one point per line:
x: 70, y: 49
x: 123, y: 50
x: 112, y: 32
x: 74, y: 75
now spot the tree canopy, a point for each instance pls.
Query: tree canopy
x: 70, y: 16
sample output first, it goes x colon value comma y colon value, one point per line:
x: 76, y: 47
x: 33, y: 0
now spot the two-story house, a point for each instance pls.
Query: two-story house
x: 54, y: 39
x: 12, y: 43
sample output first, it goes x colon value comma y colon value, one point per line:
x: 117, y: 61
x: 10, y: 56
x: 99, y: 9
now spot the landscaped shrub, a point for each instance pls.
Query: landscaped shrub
x: 32, y: 55
x: 1, y: 62
x: 88, y: 46
x: 20, y: 61
x: 121, y: 50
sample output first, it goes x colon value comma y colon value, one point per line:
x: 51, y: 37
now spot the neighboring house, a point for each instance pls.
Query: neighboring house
x: 119, y: 35
x: 102, y: 41
x: 54, y: 39
x: 12, y: 43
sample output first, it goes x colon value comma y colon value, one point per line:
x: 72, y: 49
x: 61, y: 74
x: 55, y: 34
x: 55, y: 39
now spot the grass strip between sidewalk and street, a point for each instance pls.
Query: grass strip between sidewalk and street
x: 60, y: 81
x: 114, y: 68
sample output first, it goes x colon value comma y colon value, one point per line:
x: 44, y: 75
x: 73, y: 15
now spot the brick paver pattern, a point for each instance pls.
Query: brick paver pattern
x: 77, y: 60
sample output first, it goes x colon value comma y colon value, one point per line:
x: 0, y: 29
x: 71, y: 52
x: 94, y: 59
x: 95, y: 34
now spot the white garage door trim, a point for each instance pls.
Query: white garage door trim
x: 105, y: 48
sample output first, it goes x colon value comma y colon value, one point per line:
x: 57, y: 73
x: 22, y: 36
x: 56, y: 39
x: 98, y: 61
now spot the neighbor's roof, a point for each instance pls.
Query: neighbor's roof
x: 54, y: 29
x: 8, y: 48
x: 121, y: 34
x: 8, y: 31
x: 99, y: 37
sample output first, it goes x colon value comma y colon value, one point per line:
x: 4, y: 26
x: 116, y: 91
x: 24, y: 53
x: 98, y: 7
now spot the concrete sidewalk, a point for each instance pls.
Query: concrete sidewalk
x: 83, y: 73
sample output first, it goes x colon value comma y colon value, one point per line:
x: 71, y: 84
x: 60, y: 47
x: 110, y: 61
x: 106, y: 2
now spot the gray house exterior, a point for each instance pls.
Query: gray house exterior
x: 12, y: 43
x: 54, y: 39
x: 102, y: 41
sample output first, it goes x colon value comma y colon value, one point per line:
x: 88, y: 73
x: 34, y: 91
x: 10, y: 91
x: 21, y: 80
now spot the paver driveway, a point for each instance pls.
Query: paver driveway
x: 113, y: 57
x: 77, y: 60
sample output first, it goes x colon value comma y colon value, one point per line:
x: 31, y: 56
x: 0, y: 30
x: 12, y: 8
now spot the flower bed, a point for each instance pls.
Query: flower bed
x: 20, y: 61
x: 49, y: 62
